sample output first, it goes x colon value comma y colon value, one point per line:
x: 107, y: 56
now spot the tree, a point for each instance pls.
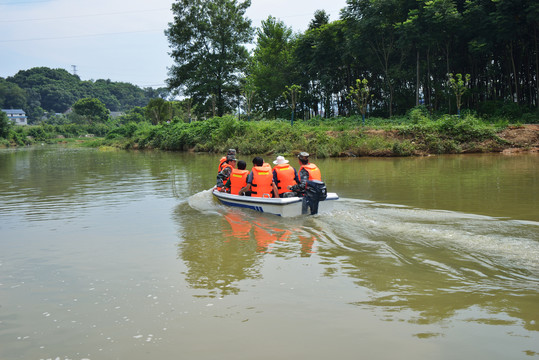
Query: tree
x: 5, y: 125
x: 459, y: 87
x: 270, y: 65
x: 360, y: 94
x: 373, y: 23
x: 291, y: 95
x: 92, y: 109
x: 320, y: 18
x: 249, y: 91
x: 320, y: 57
x: 159, y: 111
x: 207, y: 40
x: 11, y: 96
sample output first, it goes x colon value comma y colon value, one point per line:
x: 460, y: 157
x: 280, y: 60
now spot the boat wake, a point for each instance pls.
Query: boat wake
x: 203, y: 202
x: 511, y: 243
x: 402, y: 232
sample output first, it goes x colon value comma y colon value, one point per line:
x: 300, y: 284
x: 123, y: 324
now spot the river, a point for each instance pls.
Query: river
x: 125, y: 255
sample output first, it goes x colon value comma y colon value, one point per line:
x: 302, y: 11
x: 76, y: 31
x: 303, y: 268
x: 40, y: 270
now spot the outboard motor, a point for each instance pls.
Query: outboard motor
x: 315, y: 191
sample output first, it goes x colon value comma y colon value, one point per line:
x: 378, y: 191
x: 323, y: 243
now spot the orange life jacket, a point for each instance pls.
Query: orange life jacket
x: 225, y: 165
x: 286, y: 176
x: 221, y: 164
x: 262, y: 179
x: 238, y: 180
x: 313, y: 170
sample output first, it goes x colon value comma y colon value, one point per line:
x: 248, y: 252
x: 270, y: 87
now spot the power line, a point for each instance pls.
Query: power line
x: 82, y: 16
x: 22, y: 2
x: 80, y: 36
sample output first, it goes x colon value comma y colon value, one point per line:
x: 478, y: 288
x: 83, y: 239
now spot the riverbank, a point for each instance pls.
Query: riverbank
x: 524, y: 138
x: 332, y: 138
x: 415, y: 135
x: 511, y: 140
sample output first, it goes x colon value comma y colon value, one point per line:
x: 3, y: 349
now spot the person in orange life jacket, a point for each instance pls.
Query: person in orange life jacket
x: 260, y: 180
x: 307, y: 171
x: 237, y: 179
x: 284, y: 176
x: 224, y: 174
x: 222, y: 161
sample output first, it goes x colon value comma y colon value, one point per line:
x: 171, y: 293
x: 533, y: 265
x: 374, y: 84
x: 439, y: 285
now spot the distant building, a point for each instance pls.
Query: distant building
x: 17, y: 116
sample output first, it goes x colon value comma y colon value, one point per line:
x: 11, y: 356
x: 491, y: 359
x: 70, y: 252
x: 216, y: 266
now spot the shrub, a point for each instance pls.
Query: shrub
x: 419, y: 115
x: 404, y: 148
x: 38, y: 133
x: 5, y: 125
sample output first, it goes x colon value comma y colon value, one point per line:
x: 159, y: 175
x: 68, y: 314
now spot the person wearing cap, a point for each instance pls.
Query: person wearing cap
x: 237, y: 179
x: 307, y: 171
x: 222, y: 161
x: 260, y: 181
x: 224, y: 174
x: 284, y: 176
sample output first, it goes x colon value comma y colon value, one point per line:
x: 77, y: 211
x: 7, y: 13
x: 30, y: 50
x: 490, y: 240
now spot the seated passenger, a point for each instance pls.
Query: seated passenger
x: 260, y: 181
x: 284, y: 177
x: 222, y: 161
x: 224, y: 174
x: 238, y: 178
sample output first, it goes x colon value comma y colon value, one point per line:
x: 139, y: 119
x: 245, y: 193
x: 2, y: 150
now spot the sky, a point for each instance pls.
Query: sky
x: 120, y: 40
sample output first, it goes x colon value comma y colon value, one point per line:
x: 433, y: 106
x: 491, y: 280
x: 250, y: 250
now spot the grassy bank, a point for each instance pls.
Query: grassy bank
x: 415, y: 134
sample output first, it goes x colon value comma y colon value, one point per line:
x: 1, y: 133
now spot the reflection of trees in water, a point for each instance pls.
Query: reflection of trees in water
x: 78, y: 174
x: 409, y: 270
x: 220, y: 250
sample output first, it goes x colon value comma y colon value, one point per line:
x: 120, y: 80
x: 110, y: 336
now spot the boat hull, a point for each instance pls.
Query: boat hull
x: 286, y: 207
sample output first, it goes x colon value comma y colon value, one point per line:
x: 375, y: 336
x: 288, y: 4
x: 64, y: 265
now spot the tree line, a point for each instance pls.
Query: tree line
x: 405, y: 50
x: 44, y: 92
x: 380, y: 58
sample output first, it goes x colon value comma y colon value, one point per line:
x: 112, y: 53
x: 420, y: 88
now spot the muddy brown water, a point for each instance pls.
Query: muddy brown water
x: 125, y: 255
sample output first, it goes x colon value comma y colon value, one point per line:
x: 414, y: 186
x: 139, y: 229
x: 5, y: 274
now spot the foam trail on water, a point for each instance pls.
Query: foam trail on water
x: 203, y: 201
x: 508, y: 243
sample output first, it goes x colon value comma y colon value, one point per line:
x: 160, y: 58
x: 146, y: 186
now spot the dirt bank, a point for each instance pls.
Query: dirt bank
x: 523, y: 138
x: 515, y: 139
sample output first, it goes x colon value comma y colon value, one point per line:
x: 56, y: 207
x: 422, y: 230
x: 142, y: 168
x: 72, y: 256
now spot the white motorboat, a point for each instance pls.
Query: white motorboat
x: 287, y: 207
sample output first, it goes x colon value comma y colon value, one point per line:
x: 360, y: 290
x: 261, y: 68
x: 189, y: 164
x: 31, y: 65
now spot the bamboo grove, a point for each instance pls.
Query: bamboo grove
x: 404, y: 49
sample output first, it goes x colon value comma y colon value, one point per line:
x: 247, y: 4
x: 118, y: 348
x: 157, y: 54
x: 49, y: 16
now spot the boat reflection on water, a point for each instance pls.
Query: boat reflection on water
x: 222, y: 247
x: 265, y: 232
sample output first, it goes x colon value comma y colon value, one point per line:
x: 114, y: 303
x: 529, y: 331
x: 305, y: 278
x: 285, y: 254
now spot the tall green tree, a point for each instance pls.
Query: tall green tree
x: 91, y: 109
x: 270, y: 65
x: 11, y: 96
x: 208, y: 40
x: 159, y: 111
x: 320, y: 57
x: 372, y: 22
x: 361, y: 94
x: 5, y: 125
x: 291, y: 94
x: 459, y: 86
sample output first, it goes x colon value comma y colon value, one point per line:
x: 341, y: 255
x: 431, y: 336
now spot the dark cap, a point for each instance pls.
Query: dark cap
x: 231, y: 152
x: 230, y: 158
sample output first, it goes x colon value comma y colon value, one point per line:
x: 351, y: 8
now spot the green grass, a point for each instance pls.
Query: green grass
x: 415, y: 133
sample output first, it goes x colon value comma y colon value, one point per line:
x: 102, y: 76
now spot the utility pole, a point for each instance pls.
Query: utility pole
x: 74, y: 69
